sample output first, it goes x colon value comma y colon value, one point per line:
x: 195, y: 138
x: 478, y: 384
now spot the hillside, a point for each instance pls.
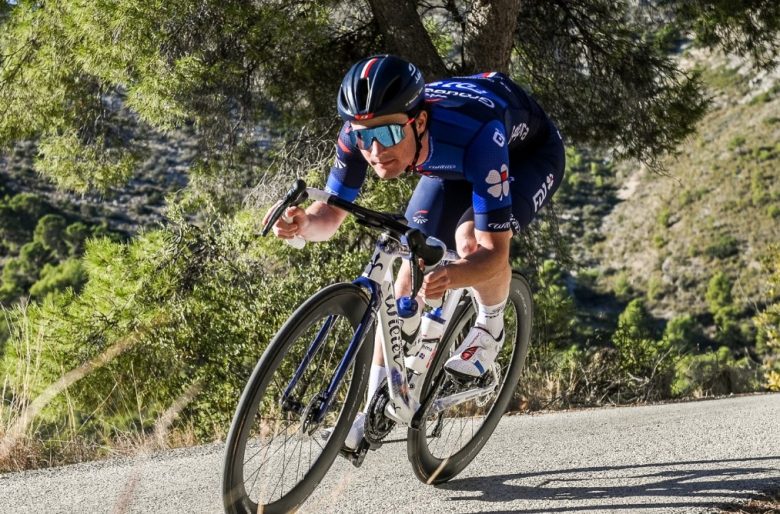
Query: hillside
x: 714, y: 208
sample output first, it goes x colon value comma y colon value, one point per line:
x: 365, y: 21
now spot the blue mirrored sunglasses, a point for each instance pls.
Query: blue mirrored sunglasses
x: 387, y: 135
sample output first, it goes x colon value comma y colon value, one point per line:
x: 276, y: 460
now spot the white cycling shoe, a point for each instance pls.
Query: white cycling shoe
x: 475, y: 355
x: 355, y: 434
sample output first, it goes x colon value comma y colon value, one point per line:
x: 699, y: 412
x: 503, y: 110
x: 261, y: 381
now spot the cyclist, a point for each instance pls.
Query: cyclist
x: 489, y: 157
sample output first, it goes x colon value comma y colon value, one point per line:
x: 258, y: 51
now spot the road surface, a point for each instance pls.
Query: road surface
x: 684, y: 457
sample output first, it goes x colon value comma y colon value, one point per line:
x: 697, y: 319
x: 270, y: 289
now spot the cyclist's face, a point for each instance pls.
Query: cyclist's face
x: 390, y: 162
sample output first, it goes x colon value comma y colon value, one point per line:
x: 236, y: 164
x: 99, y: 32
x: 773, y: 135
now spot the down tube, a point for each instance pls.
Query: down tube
x: 313, y: 348
x: 354, y: 345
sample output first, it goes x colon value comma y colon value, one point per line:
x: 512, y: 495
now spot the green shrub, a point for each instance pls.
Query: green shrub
x: 663, y: 218
x: 50, y: 232
x: 655, y: 288
x: 646, y: 363
x: 727, y: 321
x: 623, y: 289
x: 683, y: 332
x: 554, y: 314
x: 736, y: 142
x: 722, y: 247
x: 714, y: 373
x: 718, y: 294
x: 54, y: 278
x: 767, y: 322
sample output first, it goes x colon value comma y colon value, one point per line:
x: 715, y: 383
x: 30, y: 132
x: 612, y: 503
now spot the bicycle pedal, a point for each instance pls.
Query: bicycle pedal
x: 357, y: 456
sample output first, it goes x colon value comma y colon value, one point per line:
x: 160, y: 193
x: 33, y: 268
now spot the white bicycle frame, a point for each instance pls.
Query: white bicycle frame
x: 404, y: 392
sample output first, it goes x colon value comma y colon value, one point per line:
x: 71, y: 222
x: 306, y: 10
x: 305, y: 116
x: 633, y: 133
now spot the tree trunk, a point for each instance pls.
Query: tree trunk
x: 490, y: 32
x: 406, y: 36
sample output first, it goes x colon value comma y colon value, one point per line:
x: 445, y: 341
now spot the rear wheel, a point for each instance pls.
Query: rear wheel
x: 276, y: 452
x: 448, y: 441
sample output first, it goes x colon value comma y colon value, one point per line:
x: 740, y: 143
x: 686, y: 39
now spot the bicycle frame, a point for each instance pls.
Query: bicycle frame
x: 404, y: 392
x: 378, y: 278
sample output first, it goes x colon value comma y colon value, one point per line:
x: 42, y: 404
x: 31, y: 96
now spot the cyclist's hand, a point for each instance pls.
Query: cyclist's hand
x: 284, y: 230
x: 435, y: 283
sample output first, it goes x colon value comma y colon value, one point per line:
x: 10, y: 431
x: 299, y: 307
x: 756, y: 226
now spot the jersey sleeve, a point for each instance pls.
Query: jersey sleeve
x: 349, y: 168
x: 486, y: 166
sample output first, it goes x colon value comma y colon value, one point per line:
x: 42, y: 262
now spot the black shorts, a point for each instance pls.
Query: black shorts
x: 438, y: 207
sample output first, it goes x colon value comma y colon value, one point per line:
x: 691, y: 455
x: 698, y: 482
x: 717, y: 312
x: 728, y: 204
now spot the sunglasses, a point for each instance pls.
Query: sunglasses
x: 386, y: 135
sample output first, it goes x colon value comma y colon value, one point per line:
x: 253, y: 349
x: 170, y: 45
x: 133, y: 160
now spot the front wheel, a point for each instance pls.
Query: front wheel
x: 448, y: 441
x: 276, y: 452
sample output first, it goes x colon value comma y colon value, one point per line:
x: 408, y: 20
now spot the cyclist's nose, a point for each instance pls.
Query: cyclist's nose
x: 376, y: 148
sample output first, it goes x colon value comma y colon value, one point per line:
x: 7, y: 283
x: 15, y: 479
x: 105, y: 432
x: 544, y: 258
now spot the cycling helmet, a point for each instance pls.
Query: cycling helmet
x: 378, y: 85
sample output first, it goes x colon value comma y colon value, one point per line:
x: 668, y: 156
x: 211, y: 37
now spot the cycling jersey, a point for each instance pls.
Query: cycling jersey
x: 475, y: 124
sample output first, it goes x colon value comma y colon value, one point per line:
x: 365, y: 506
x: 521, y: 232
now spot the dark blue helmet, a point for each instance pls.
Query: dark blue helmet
x: 378, y: 85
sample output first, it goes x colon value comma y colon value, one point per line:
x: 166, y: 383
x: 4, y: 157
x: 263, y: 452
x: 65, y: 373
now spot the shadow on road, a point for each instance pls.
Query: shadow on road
x: 715, y: 479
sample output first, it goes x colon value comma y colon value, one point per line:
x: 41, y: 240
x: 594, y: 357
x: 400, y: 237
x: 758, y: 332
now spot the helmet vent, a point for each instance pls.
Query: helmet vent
x: 362, y: 95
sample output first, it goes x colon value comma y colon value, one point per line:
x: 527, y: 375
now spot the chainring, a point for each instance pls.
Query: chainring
x: 377, y: 425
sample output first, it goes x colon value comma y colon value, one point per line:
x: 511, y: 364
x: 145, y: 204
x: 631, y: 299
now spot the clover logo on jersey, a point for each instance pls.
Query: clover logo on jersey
x: 500, y: 181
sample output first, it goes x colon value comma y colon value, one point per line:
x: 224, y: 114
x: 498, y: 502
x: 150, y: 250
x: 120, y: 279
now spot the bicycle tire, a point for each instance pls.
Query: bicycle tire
x: 436, y: 469
x: 348, y: 303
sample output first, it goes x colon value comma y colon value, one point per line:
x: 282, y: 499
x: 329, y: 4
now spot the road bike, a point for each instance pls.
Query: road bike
x: 308, y: 386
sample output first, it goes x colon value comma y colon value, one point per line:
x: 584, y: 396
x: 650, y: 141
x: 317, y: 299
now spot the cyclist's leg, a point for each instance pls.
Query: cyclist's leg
x: 491, y: 294
x: 535, y: 176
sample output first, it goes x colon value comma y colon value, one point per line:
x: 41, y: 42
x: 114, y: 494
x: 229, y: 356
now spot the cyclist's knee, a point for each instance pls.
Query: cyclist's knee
x: 465, y: 239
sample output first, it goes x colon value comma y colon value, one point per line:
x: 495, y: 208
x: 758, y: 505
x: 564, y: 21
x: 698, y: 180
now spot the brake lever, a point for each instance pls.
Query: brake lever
x: 295, y: 195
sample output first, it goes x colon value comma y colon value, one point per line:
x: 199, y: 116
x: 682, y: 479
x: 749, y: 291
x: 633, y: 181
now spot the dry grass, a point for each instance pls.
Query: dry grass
x: 769, y: 504
x: 26, y: 444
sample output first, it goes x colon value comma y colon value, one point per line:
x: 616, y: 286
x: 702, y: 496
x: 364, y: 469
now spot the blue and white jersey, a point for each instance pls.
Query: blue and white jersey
x: 474, y: 124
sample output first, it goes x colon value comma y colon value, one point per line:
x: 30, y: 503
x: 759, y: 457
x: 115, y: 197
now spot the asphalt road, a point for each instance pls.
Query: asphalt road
x: 686, y: 457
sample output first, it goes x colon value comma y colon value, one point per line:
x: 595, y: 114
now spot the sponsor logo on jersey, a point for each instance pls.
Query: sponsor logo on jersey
x: 500, y: 226
x: 340, y: 164
x: 499, y: 181
x: 458, y: 89
x: 442, y: 167
x: 541, y: 194
x: 498, y: 138
x: 519, y: 131
x: 453, y: 84
x: 420, y: 217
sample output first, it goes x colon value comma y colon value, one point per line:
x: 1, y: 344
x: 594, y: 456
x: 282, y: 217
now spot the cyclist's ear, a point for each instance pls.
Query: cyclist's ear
x: 421, y: 121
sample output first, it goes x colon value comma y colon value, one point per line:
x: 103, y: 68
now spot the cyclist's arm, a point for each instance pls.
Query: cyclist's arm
x: 320, y: 221
x: 317, y: 223
x: 492, y: 253
x: 490, y: 257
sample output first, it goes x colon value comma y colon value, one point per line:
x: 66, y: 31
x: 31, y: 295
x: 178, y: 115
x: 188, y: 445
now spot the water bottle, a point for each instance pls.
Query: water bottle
x: 431, y: 330
x: 408, y: 312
